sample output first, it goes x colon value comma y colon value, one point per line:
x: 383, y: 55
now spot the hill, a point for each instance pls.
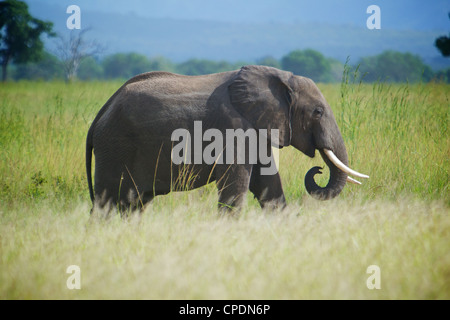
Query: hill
x: 180, y: 38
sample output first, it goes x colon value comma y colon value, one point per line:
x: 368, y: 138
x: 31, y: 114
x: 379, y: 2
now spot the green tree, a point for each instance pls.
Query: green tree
x: 269, y: 61
x: 160, y: 63
x: 443, y: 44
x: 443, y: 75
x: 336, y: 70
x: 394, y: 66
x: 194, y: 67
x: 48, y: 68
x: 20, y: 35
x: 308, y: 63
x: 90, y: 69
x: 125, y: 65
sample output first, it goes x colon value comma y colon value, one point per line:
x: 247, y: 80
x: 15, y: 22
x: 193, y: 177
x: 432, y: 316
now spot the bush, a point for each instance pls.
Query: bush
x: 125, y: 65
x: 48, y: 68
x: 308, y: 63
x: 392, y: 66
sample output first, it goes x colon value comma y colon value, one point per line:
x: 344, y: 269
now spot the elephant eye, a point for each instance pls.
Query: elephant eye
x: 317, y: 113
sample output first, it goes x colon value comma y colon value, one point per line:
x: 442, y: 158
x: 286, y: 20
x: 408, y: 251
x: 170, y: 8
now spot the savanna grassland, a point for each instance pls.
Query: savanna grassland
x: 180, y: 248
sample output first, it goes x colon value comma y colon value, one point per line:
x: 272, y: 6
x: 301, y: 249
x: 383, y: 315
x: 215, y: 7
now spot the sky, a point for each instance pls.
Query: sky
x: 246, y: 30
x: 396, y: 14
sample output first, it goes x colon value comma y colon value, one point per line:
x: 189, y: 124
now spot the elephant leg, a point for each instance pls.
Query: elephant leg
x: 136, y: 204
x: 119, y: 193
x: 232, y: 183
x: 267, y: 189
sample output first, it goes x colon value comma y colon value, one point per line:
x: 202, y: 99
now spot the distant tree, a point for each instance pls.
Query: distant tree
x: 443, y: 44
x: 48, y: 68
x: 74, y: 50
x: 308, y: 63
x: 394, y: 66
x: 20, y: 35
x: 125, y: 65
x: 443, y: 75
x: 160, y: 63
x: 195, y: 67
x: 90, y: 69
x: 269, y: 61
x: 336, y: 70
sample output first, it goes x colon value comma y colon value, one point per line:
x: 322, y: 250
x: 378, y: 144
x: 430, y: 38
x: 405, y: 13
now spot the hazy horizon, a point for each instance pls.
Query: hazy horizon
x: 236, y: 30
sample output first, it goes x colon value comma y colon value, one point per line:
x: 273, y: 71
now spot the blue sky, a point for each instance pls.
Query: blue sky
x: 396, y: 14
x: 246, y: 30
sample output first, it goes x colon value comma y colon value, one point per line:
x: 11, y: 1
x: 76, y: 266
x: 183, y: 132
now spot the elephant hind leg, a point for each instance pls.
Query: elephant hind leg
x: 135, y: 202
x: 125, y: 202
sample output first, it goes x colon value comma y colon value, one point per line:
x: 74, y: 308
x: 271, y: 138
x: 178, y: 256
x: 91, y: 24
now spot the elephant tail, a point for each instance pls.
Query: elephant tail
x: 89, y: 148
x: 89, y: 139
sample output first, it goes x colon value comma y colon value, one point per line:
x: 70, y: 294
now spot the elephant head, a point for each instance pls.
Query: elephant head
x: 273, y: 99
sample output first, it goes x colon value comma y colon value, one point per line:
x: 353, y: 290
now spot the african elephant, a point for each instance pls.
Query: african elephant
x: 133, y: 137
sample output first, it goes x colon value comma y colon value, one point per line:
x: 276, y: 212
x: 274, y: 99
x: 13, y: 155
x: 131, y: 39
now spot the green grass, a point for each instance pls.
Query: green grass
x: 180, y: 248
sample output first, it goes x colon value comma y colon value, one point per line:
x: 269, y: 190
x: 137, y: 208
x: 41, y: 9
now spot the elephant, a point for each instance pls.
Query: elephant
x: 132, y: 137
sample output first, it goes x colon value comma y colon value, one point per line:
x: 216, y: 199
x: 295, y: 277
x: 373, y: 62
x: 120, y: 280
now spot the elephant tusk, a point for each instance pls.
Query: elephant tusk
x: 338, y: 163
x: 351, y: 180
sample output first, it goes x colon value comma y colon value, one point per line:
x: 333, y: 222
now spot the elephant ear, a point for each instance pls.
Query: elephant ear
x: 262, y: 96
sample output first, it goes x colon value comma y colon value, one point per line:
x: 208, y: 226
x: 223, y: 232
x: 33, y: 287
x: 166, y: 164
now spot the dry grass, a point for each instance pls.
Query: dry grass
x: 313, y: 251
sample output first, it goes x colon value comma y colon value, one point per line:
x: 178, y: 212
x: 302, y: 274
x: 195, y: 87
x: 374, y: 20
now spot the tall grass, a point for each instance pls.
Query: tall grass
x: 42, y: 131
x: 309, y: 251
x: 180, y: 248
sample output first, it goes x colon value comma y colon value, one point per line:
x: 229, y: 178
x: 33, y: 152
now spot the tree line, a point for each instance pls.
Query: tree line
x: 22, y: 56
x: 389, y: 66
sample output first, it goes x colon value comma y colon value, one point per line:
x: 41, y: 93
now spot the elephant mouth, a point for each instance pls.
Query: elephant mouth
x: 339, y: 164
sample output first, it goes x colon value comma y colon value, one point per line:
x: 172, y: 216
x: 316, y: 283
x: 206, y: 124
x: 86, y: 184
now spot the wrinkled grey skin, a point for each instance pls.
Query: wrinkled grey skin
x: 131, y: 135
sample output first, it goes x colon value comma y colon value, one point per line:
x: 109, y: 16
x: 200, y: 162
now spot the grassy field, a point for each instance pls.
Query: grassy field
x: 180, y: 248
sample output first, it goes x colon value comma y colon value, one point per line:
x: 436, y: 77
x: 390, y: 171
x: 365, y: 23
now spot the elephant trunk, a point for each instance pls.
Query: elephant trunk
x: 337, y: 181
x: 339, y: 172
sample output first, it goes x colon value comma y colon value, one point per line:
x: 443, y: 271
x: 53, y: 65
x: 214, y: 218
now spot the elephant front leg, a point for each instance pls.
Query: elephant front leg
x: 267, y: 189
x: 233, y: 184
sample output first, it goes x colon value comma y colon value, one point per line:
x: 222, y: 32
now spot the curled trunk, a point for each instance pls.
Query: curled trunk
x: 336, y: 183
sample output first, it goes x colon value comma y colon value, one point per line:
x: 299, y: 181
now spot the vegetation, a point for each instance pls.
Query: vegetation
x: 181, y: 249
x: 20, y: 35
x: 395, y: 67
x: 75, y: 49
x: 388, y: 66
x: 122, y: 65
x: 443, y: 44
x: 308, y: 63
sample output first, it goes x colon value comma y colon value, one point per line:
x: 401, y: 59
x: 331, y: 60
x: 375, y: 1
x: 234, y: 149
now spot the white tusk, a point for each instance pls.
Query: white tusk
x: 351, y: 180
x: 338, y: 163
